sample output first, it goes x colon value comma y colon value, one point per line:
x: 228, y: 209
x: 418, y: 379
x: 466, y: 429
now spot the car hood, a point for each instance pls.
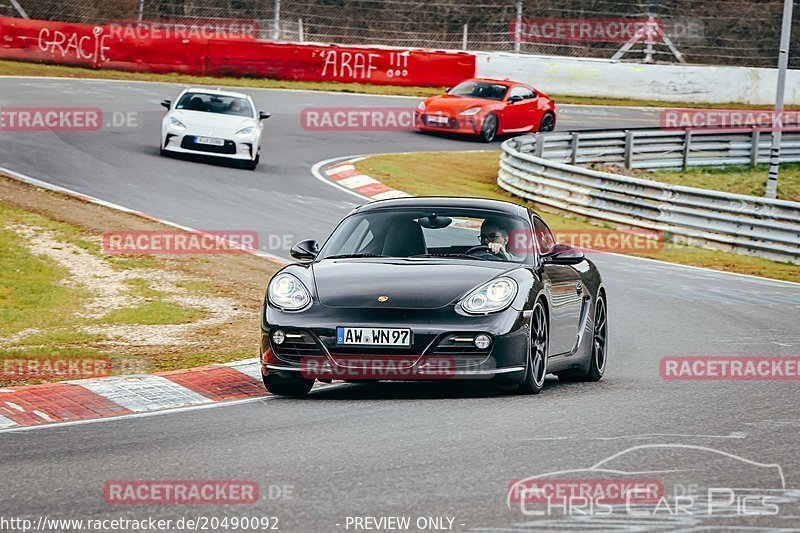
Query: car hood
x: 449, y: 104
x: 408, y: 283
x: 212, y: 122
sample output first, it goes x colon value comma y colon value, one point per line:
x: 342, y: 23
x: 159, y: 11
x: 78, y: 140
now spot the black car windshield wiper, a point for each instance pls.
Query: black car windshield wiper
x: 351, y: 256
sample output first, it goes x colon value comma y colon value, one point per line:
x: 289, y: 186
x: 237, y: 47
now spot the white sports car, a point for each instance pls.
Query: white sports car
x: 216, y: 123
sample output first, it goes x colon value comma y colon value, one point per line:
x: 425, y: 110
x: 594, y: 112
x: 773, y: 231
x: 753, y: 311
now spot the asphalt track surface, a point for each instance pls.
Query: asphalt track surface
x: 415, y: 450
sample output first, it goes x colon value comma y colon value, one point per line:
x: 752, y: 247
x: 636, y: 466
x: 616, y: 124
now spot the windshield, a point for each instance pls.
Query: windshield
x: 443, y: 233
x: 214, y: 103
x: 480, y: 89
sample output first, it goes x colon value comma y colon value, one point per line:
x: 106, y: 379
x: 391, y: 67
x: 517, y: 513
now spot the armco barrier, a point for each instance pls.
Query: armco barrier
x: 103, y: 47
x: 746, y: 224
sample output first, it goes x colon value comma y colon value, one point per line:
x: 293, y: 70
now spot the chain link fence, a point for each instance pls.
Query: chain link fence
x: 716, y: 32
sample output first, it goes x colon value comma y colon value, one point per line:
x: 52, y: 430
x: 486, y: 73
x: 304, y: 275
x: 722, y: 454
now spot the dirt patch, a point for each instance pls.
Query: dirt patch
x: 227, y: 290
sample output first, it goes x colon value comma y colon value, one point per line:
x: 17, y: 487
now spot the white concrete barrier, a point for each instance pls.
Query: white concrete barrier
x: 615, y: 79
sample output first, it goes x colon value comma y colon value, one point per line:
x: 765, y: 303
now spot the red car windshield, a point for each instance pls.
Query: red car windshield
x: 480, y: 89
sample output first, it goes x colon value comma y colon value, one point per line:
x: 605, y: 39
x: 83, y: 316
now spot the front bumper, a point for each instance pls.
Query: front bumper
x: 442, y: 345
x: 465, y: 125
x: 232, y: 149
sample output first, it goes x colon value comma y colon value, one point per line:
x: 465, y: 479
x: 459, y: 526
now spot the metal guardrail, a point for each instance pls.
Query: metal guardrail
x: 542, y: 168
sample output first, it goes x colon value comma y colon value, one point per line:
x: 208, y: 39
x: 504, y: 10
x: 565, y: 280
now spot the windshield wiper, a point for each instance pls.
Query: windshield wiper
x: 351, y: 256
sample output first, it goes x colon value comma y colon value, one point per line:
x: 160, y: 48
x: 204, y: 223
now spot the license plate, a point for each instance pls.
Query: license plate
x: 209, y: 140
x: 373, y: 336
x: 438, y: 120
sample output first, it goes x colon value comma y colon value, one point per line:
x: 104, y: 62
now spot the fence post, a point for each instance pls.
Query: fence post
x: 518, y: 27
x: 575, y: 140
x: 755, y: 140
x: 538, y: 147
x: 687, y: 147
x: 300, y: 30
x: 464, y: 37
x: 276, y: 27
x: 628, y: 148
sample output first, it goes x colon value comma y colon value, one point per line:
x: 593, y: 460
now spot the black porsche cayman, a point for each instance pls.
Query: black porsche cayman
x: 435, y: 288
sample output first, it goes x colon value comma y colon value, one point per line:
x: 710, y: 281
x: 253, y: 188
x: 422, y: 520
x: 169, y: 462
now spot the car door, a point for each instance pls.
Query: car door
x: 565, y: 291
x: 520, y: 109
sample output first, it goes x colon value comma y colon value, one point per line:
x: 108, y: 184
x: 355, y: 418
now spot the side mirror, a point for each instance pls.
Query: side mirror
x: 166, y: 103
x: 305, y: 250
x: 447, y: 89
x: 263, y: 116
x: 563, y: 254
x: 514, y: 99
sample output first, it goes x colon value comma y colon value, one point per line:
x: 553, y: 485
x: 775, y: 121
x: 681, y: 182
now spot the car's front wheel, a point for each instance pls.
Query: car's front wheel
x: 537, y: 361
x: 287, y: 386
x: 489, y: 128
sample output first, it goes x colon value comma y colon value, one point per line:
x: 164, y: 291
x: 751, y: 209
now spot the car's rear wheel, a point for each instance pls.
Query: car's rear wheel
x: 597, y: 363
x: 548, y: 122
x: 489, y: 128
x: 287, y: 386
x: 537, y: 360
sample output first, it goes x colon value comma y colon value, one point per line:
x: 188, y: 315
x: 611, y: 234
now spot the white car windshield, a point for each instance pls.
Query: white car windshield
x: 214, y: 103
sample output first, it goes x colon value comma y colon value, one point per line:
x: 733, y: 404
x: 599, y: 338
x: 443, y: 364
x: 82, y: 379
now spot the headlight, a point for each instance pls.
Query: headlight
x: 471, y: 111
x: 288, y: 293
x: 177, y: 124
x: 490, y: 297
x: 246, y: 132
x: 421, y: 106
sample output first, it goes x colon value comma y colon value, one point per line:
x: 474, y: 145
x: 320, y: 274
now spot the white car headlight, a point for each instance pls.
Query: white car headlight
x: 288, y: 293
x: 471, y: 111
x: 246, y: 132
x: 490, y: 297
x: 177, y: 124
x: 421, y: 106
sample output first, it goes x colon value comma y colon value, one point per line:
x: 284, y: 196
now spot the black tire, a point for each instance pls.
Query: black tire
x: 251, y: 165
x: 597, y: 362
x: 286, y: 386
x: 537, y: 357
x: 489, y: 128
x: 548, y: 122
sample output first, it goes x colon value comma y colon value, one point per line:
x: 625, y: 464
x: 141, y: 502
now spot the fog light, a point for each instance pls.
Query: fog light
x: 278, y: 336
x: 483, y: 341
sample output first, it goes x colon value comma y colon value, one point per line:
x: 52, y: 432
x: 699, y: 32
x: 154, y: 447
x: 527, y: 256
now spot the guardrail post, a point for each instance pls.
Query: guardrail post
x: 574, y: 156
x: 628, y: 148
x: 755, y: 139
x: 687, y: 146
x: 538, y: 147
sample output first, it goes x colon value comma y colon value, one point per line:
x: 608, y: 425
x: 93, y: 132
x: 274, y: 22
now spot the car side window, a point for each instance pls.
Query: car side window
x: 523, y: 92
x: 542, y: 235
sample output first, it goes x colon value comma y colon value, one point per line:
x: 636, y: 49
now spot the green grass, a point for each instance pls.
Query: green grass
x: 31, y: 291
x: 17, y: 68
x: 153, y: 313
x: 466, y: 174
x: 735, y: 179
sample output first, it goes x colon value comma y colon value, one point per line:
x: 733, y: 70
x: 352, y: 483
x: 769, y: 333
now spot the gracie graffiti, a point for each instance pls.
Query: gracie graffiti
x: 83, y: 47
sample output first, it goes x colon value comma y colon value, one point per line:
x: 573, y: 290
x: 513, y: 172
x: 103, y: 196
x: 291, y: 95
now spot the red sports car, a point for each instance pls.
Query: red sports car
x: 487, y: 108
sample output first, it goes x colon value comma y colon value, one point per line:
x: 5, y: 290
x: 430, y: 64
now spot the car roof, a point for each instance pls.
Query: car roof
x: 444, y: 202
x: 219, y: 92
x: 495, y: 80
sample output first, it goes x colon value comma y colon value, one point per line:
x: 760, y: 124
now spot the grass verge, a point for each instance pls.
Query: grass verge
x: 62, y: 296
x: 475, y: 174
x: 18, y: 68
